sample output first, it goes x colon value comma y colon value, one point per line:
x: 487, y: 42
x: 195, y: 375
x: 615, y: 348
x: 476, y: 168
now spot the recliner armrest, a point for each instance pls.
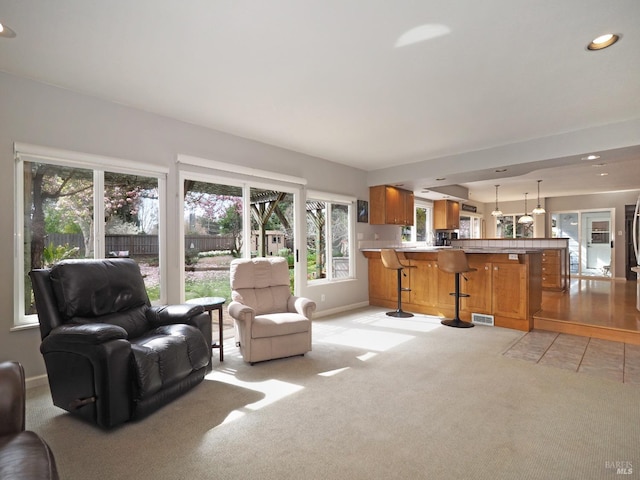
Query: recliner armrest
x: 241, y: 312
x: 171, y: 314
x: 12, y: 400
x: 304, y: 306
x: 85, y: 334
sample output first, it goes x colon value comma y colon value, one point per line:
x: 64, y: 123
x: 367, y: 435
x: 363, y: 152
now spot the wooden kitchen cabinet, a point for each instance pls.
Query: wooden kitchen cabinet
x: 446, y: 215
x: 446, y: 286
x: 424, y: 283
x: 383, y: 282
x: 478, y: 286
x: 390, y: 206
x: 507, y: 286
x: 555, y: 269
x: 509, y: 297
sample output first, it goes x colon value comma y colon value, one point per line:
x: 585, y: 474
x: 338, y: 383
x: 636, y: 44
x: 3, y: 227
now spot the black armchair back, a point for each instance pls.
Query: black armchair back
x: 87, y: 291
x: 110, y: 356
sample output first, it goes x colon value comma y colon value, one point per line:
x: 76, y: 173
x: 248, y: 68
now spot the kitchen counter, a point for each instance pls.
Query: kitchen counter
x: 507, y: 250
x: 506, y: 284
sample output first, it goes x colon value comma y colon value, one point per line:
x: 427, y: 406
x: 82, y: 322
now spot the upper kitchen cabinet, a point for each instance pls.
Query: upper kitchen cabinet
x: 390, y: 206
x: 446, y: 215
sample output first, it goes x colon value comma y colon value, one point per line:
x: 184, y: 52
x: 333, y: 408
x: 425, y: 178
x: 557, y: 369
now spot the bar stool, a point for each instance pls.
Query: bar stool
x: 455, y: 261
x: 397, y: 261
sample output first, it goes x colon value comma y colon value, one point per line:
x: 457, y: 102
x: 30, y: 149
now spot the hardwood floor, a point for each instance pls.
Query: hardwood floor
x: 604, y: 309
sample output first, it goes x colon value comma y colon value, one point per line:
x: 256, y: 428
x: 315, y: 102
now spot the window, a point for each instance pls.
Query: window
x: 422, y: 229
x: 265, y: 204
x: 507, y: 226
x: 60, y: 196
x: 470, y: 226
x: 330, y: 247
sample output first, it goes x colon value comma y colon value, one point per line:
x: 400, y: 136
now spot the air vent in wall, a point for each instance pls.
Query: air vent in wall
x: 482, y: 319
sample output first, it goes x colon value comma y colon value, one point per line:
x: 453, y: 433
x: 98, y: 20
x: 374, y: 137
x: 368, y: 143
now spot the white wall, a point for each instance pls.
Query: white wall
x: 43, y: 115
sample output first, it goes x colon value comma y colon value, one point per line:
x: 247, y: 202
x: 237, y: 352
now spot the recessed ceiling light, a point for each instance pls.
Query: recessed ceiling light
x: 603, y: 41
x: 6, y: 32
x: 440, y: 179
x: 590, y: 157
x: 604, y: 174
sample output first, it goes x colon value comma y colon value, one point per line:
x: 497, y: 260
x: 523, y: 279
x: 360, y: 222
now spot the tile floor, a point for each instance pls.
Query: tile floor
x: 591, y: 356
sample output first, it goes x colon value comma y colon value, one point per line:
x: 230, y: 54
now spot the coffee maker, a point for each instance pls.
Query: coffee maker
x: 444, y: 237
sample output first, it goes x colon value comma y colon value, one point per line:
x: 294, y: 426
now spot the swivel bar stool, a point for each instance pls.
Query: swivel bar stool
x: 396, y: 261
x: 455, y: 261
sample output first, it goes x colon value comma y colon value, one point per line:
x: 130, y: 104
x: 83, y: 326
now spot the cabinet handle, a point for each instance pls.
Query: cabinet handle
x: 495, y: 268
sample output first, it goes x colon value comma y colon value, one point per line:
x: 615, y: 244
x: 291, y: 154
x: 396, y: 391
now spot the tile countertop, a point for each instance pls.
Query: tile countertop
x: 507, y: 250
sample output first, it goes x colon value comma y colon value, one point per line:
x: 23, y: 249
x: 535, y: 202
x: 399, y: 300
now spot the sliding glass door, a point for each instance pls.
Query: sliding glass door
x: 225, y: 219
x: 213, y: 236
x: 590, y: 235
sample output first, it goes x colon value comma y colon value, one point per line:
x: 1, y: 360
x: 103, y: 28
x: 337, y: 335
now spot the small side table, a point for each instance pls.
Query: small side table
x: 210, y: 304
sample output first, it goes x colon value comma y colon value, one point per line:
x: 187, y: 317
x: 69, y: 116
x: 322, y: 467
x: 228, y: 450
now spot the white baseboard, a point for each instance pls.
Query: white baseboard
x: 343, y: 308
x: 36, y: 381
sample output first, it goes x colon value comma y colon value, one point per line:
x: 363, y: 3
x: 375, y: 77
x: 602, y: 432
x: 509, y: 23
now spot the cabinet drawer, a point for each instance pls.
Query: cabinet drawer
x: 551, y: 280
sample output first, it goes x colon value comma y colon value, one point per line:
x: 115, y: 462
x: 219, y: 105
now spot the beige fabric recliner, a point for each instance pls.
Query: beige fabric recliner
x: 269, y: 321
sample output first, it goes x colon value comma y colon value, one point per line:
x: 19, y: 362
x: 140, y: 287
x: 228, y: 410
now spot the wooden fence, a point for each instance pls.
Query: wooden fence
x: 142, y: 244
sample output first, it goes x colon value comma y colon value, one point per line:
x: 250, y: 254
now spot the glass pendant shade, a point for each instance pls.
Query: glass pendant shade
x: 497, y: 212
x: 538, y: 210
x: 526, y: 218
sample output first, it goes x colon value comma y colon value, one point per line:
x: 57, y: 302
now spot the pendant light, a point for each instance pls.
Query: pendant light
x: 526, y: 218
x: 497, y: 212
x: 538, y: 210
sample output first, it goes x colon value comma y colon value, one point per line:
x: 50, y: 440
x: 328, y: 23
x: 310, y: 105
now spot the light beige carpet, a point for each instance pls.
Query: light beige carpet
x: 378, y: 397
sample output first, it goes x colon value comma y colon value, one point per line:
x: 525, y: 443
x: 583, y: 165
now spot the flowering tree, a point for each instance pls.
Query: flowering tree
x: 61, y: 199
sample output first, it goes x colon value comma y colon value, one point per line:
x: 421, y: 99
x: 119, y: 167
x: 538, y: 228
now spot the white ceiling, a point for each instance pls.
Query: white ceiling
x: 328, y: 78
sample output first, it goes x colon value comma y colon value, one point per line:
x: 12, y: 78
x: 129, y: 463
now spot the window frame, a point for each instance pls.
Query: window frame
x: 474, y: 218
x: 515, y: 217
x: 330, y: 199
x: 413, y: 229
x: 98, y: 165
x: 208, y: 171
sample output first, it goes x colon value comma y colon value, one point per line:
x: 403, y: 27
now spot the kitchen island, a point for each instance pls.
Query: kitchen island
x: 507, y: 285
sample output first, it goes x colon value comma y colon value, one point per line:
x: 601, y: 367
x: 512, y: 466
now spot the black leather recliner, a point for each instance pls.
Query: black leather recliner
x: 23, y: 453
x: 110, y: 356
